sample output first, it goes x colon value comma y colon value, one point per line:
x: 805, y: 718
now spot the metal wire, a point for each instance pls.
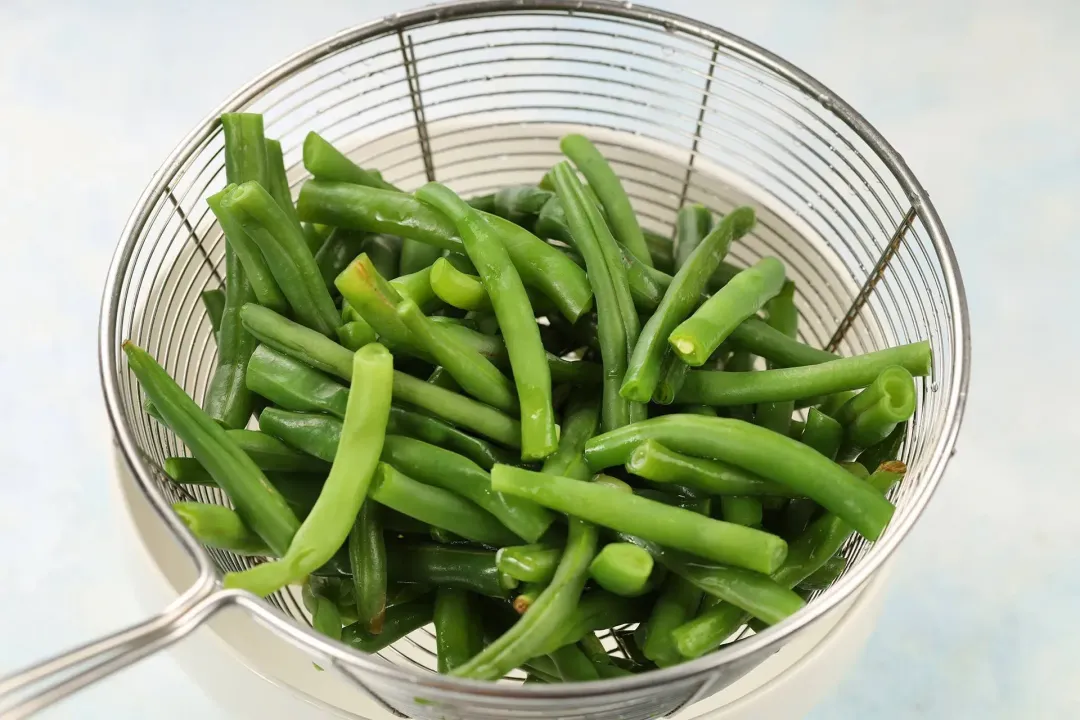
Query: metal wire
x: 478, y: 93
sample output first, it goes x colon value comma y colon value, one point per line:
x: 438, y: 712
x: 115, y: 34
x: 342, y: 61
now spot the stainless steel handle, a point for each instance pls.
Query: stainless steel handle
x: 33, y: 689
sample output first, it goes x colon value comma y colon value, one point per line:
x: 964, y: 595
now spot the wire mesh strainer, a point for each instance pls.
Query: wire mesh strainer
x: 476, y: 94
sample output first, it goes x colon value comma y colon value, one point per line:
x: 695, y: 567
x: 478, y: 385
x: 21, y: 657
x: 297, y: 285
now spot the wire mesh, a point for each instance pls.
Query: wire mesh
x: 477, y: 95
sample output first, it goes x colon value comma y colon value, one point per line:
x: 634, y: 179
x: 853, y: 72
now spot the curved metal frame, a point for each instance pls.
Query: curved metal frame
x: 206, y: 596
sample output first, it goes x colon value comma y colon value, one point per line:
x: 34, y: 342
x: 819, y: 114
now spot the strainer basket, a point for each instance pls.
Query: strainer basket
x: 476, y: 94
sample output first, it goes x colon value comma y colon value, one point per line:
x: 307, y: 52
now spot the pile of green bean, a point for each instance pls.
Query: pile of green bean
x: 521, y: 417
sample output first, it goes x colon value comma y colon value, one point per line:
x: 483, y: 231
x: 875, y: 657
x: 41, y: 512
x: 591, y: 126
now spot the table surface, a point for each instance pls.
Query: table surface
x: 979, y: 97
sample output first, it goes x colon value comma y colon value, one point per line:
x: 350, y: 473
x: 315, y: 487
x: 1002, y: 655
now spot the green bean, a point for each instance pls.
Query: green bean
x: 442, y: 468
x: 737, y: 388
x: 326, y: 162
x: 326, y: 618
x: 269, y: 453
x: 806, y: 555
x: 884, y: 451
x: 400, y: 621
x: 822, y: 433
x: 437, y: 507
x: 457, y: 629
x: 472, y: 371
x: 448, y: 566
x: 341, y: 248
x: 315, y: 234
x: 296, y: 341
x: 277, y: 184
x: 457, y: 289
x: 437, y: 432
x: 672, y: 526
x: 698, y: 336
x: 328, y: 525
x: 546, y: 617
x: 761, y: 451
x: 529, y: 592
x: 611, y: 330
x: 540, y: 265
x: 538, y: 433
x: 483, y: 202
x: 293, y: 385
x: 459, y: 410
x: 741, y: 510
x: 678, y: 602
x: 300, y: 490
x: 261, y: 506
x: 826, y: 575
x: 783, y: 316
x: 594, y: 649
x: 529, y: 563
x: 692, y: 224
x: 682, y: 296
x: 315, y: 434
x: 598, y: 610
x: 622, y: 568
x: 416, y: 256
x: 376, y: 300
x: 609, y: 189
x: 355, y: 334
x: 658, y: 463
x: 417, y: 287
x: 739, y: 362
x: 873, y: 414
x: 384, y: 252
x: 367, y: 558
x: 756, y: 336
x: 214, y: 303
x: 520, y: 204
x: 573, y: 664
x: 672, y: 375
x: 440, y: 378
x: 286, y: 252
x: 220, y: 527
x: 227, y: 399
x: 706, y: 410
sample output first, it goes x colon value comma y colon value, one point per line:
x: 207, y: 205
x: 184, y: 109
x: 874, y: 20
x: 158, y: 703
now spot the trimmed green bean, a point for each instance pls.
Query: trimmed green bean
x: 459, y: 410
x: 520, y: 204
x: 806, y: 555
x: 603, y: 180
x: 873, y: 414
x: 287, y: 255
x: 277, y: 184
x: 315, y: 234
x: 438, y: 432
x: 300, y: 490
x: 671, y: 526
x: 528, y: 360
x: 738, y: 388
x: 227, y: 398
x: 573, y: 664
x: 384, y: 252
x: 297, y: 341
x: 610, y: 327
x: 826, y: 575
x: 622, y: 568
x: 682, y: 296
x: 334, y: 255
x: 327, y: 526
x: 367, y: 558
x: 376, y: 300
x: 822, y: 433
x: 326, y: 162
x: 783, y: 316
x: 672, y: 375
x: 220, y: 527
x: 437, y: 507
x: 356, y: 334
x: 458, y: 635
x: 677, y: 603
x: 661, y: 250
x: 260, y: 505
x: 472, y: 371
x: 529, y: 592
x: 417, y: 287
x: 454, y: 566
x: 741, y: 510
x: 698, y: 336
x: 529, y: 563
x: 540, y: 265
x: 547, y: 616
x: 456, y: 288
x: 658, y: 463
x: 692, y: 224
x: 885, y: 451
x: 214, y: 303
x: 400, y: 621
x: 326, y: 618
x: 270, y: 453
x: 599, y: 610
x: 758, y: 337
x: 291, y: 384
x: 770, y: 455
x: 433, y: 465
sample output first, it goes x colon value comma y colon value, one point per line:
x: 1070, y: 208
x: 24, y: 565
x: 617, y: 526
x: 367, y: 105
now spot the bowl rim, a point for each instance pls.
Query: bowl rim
x: 458, y: 689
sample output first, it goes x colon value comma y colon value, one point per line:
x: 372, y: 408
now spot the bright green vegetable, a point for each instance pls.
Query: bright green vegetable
x: 261, y: 506
x: 456, y: 288
x: 622, y: 568
x: 287, y: 255
x: 783, y: 316
x: 602, y: 179
x: 677, y: 603
x: 437, y: 507
x: 574, y: 665
x: 682, y: 296
x: 277, y: 184
x: 367, y: 558
x: 759, y: 338
x: 356, y: 334
x: 458, y: 633
x: 458, y: 409
x: 822, y: 433
x: 214, y: 303
x: 220, y: 527
x: 528, y: 360
x: 529, y: 563
x: 826, y: 575
x: 658, y: 463
x: 672, y: 375
x: 269, y: 453
x: 697, y: 337
x: 326, y: 618
x: 873, y: 414
x: 334, y: 255
x: 692, y: 224
x: 738, y: 388
x: 467, y: 568
x: 384, y: 252
x: 328, y: 525
x: 671, y: 526
x: 885, y: 451
x: 400, y: 621
x: 326, y: 162
x: 761, y: 451
x: 741, y: 510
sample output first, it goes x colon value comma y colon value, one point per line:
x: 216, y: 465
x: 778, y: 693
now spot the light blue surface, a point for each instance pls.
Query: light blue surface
x: 981, y: 99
